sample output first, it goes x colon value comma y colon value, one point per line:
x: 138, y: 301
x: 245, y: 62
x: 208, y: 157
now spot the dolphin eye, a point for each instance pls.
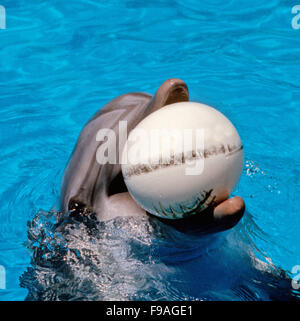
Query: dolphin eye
x: 80, y: 213
x: 76, y: 207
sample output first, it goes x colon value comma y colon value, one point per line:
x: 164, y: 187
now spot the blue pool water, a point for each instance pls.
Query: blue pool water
x: 60, y: 62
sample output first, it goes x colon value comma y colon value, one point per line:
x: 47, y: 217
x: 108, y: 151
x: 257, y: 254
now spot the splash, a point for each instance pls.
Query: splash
x: 141, y: 259
x: 90, y: 260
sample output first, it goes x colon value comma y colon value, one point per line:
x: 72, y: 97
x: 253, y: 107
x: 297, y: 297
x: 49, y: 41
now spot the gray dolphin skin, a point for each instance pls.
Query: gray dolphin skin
x: 99, y: 188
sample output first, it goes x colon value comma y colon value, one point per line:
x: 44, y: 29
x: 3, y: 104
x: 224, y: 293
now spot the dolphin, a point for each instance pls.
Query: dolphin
x: 104, y: 246
x: 91, y: 187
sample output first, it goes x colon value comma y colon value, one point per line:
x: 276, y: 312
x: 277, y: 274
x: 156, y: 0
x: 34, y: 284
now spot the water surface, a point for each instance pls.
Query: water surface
x: 60, y: 62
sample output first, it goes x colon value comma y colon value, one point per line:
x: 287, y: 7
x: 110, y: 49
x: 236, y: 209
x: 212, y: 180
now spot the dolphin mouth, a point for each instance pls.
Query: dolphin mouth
x: 76, y: 206
x: 117, y: 185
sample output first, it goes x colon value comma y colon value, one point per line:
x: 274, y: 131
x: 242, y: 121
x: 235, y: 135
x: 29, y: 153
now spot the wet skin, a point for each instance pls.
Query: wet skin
x: 89, y: 187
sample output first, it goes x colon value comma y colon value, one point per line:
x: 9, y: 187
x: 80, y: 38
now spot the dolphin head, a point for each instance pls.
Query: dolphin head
x: 92, y: 186
x: 87, y: 183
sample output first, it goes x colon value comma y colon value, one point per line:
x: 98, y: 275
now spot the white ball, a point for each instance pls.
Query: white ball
x: 181, y: 159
